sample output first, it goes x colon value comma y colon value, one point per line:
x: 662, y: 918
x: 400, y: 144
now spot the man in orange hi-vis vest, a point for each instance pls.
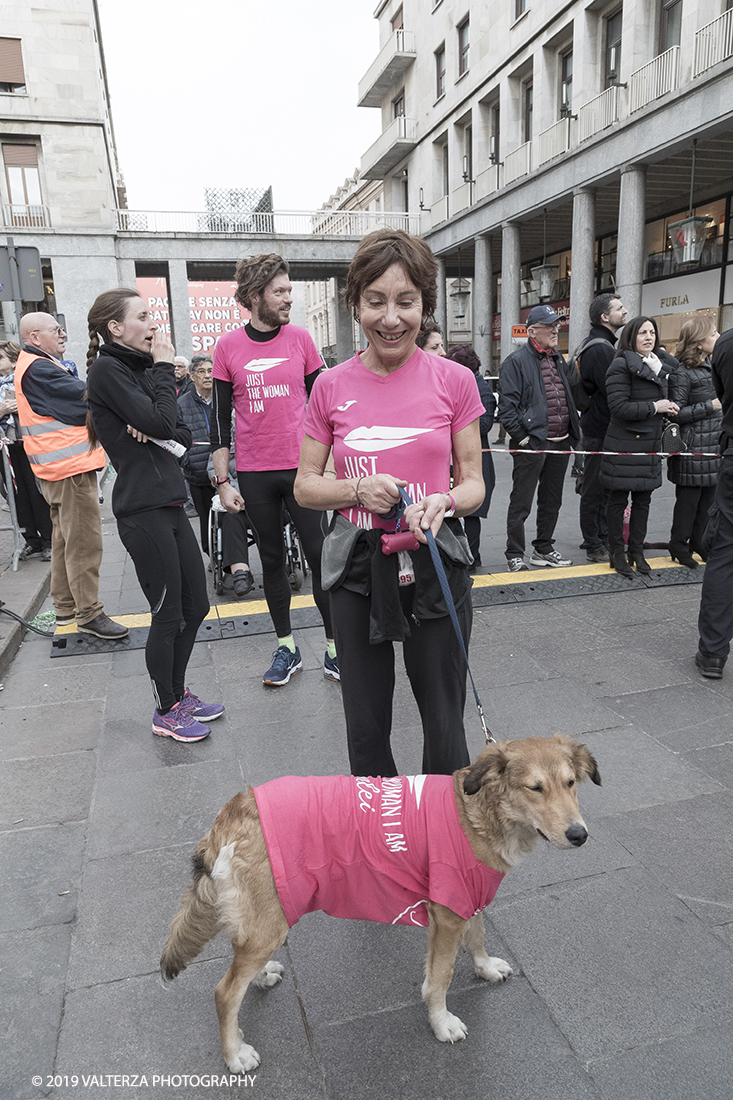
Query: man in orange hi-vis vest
x: 52, y: 411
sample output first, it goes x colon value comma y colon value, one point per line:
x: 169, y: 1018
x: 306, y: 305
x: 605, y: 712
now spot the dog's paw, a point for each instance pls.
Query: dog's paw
x: 447, y: 1027
x: 492, y: 969
x: 244, y: 1060
x: 271, y: 974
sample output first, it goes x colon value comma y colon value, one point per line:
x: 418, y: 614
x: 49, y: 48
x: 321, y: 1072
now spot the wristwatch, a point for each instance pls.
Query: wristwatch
x: 217, y: 481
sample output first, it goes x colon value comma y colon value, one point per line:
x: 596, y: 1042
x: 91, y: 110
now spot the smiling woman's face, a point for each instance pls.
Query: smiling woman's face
x: 390, y: 314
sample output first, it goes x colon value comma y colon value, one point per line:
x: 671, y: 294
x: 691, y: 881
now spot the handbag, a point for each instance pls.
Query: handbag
x: 672, y: 441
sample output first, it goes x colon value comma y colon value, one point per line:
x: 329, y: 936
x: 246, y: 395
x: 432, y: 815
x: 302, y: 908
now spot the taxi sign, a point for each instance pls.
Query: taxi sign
x: 519, y: 332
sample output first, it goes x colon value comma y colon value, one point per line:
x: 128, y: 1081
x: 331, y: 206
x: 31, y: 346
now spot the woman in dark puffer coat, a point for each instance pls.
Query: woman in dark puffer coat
x: 637, y: 394
x: 700, y: 420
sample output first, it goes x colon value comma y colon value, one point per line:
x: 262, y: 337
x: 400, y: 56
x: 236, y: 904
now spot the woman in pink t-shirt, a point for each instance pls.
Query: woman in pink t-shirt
x: 395, y: 416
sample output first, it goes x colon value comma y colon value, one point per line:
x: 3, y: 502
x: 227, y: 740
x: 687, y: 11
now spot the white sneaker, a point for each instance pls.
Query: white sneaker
x: 553, y: 559
x: 516, y: 565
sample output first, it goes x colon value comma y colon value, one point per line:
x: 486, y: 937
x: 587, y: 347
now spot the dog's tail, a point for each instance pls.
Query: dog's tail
x: 198, y: 920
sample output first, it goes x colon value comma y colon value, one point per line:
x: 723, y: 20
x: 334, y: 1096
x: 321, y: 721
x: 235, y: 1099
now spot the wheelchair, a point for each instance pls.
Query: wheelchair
x: 296, y: 567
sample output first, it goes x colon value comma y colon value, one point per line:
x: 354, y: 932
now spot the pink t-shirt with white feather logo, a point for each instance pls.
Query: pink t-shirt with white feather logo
x: 371, y: 849
x: 400, y: 424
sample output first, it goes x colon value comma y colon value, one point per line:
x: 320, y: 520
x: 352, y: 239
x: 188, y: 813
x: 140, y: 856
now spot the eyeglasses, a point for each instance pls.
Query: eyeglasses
x: 58, y: 331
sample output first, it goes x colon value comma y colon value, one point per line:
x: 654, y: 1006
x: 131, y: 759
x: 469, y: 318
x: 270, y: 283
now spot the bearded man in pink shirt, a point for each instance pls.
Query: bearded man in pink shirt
x: 265, y: 372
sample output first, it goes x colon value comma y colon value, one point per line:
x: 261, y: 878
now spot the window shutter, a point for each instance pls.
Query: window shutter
x: 20, y: 156
x: 11, y: 62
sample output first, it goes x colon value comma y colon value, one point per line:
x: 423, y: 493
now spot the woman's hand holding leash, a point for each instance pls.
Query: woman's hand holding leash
x: 378, y: 492
x: 426, y: 513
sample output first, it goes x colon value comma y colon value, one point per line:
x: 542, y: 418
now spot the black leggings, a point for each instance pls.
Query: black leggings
x: 169, y: 567
x: 265, y: 492
x: 437, y: 672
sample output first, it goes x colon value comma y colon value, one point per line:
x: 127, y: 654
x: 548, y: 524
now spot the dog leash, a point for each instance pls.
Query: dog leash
x: 443, y: 581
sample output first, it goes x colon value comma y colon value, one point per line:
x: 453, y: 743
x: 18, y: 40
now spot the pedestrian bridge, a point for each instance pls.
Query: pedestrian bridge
x: 317, y: 244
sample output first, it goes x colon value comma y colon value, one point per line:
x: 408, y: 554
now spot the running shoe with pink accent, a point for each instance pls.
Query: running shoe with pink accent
x: 179, y: 724
x: 205, y: 712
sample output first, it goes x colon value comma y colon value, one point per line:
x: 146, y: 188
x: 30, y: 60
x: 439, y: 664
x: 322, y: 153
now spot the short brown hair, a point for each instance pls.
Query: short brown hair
x: 254, y: 273
x: 381, y: 249
x: 694, y: 330
x: 11, y: 349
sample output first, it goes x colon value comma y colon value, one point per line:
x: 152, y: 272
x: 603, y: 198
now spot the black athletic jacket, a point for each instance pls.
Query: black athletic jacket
x: 126, y: 387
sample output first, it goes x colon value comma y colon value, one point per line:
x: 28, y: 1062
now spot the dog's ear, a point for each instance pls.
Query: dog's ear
x: 585, y: 764
x: 491, y: 760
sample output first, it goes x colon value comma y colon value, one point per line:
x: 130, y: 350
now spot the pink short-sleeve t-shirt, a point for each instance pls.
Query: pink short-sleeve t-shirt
x: 400, y: 424
x: 268, y: 394
x: 371, y: 849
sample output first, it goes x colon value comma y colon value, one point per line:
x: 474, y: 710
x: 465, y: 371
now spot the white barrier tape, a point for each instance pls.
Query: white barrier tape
x: 622, y: 454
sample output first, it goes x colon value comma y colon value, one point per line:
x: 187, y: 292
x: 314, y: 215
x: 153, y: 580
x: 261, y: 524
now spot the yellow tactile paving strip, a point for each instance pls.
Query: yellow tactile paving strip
x: 482, y: 580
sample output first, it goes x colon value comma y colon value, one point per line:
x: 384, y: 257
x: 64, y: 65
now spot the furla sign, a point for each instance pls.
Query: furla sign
x: 681, y: 294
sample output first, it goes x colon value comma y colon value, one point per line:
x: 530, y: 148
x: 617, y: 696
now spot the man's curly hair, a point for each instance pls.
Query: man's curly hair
x: 254, y: 273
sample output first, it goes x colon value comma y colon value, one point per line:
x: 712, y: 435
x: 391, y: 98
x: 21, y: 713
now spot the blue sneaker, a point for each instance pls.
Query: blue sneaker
x: 205, y: 712
x: 284, y: 665
x: 331, y: 668
x: 179, y: 724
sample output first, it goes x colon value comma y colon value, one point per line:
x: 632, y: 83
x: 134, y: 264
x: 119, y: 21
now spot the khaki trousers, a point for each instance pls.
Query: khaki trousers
x: 76, y: 545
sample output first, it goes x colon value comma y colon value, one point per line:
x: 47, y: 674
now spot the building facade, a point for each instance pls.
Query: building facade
x: 555, y: 151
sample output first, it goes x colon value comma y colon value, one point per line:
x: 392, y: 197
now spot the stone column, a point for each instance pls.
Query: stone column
x: 178, y: 308
x: 441, y: 310
x: 482, y: 309
x: 582, y: 283
x: 630, y: 248
x: 510, y: 285
x: 126, y: 273
x: 344, y: 325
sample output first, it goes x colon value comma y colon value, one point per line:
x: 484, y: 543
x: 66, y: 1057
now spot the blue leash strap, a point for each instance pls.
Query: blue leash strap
x: 447, y: 596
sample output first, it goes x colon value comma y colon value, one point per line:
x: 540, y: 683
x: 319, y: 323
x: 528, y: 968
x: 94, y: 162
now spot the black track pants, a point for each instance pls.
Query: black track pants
x: 169, y: 567
x: 265, y: 492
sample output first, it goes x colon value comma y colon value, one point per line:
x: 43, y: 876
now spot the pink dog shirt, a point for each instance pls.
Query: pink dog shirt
x: 371, y: 849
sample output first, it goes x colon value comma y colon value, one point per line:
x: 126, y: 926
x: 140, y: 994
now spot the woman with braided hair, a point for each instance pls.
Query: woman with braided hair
x: 133, y: 411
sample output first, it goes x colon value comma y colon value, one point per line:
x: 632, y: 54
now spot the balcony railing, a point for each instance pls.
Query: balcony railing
x: 518, y: 163
x: 486, y: 182
x: 391, y: 146
x: 598, y: 113
x: 460, y: 198
x: 319, y: 223
x: 713, y: 43
x: 397, y: 54
x: 554, y: 141
x: 654, y: 79
x: 17, y: 216
x: 439, y: 210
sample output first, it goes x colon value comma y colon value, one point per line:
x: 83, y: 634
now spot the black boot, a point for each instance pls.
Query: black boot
x: 620, y: 564
x: 636, y: 557
x: 681, y: 553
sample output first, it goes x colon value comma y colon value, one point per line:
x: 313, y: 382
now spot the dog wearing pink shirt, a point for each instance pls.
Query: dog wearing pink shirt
x: 419, y: 850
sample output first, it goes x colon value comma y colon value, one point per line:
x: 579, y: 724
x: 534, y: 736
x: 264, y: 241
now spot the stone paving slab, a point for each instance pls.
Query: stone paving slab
x: 124, y: 915
x: 686, y: 846
x: 513, y: 1049
x: 40, y: 876
x: 140, y: 1026
x: 647, y: 965
x: 681, y: 1068
x: 33, y: 966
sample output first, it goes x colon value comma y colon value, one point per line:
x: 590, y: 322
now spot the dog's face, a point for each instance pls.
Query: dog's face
x: 534, y: 782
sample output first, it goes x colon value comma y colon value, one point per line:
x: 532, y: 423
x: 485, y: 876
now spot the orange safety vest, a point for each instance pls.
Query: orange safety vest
x: 55, y: 450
